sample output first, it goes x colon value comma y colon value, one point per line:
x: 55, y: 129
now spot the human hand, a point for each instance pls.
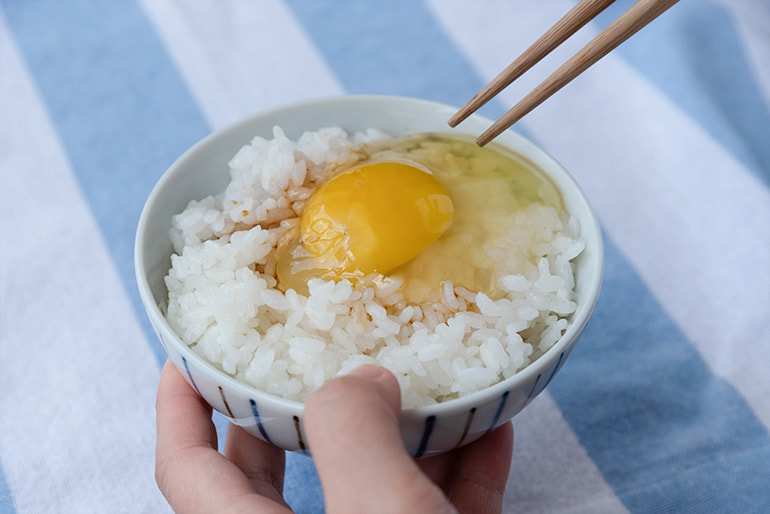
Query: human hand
x: 358, y: 452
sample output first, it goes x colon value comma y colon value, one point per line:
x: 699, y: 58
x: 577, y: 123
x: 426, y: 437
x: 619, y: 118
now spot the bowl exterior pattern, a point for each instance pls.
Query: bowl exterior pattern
x: 424, y: 431
x: 427, y: 430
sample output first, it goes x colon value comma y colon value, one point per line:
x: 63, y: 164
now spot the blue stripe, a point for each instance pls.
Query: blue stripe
x: 535, y: 391
x: 665, y: 432
x: 119, y: 106
x: 6, y: 498
x: 413, y: 57
x: 531, y: 393
x: 189, y: 375
x: 302, y: 486
x: 500, y: 407
x: 555, y: 369
x: 258, y: 420
x: 430, y: 422
x: 705, y: 72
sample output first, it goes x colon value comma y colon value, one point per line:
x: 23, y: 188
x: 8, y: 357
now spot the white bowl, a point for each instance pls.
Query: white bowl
x: 426, y: 430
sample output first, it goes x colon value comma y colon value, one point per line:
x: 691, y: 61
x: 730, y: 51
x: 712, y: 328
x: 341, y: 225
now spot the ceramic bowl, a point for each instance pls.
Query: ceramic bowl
x: 426, y: 430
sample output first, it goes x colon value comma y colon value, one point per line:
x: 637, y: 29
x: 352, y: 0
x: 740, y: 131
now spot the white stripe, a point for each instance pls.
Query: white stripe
x: 656, y: 179
x: 78, y: 379
x: 240, y: 57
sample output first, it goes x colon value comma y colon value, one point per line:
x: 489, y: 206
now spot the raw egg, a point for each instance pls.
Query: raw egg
x: 423, y: 210
x: 371, y: 218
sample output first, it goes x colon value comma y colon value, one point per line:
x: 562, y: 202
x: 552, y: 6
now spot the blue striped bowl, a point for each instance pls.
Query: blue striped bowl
x: 427, y: 430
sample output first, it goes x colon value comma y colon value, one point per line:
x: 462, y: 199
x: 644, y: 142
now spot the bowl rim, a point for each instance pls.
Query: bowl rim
x: 579, y: 318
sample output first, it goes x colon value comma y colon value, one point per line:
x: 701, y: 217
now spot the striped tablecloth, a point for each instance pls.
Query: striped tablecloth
x: 664, y: 406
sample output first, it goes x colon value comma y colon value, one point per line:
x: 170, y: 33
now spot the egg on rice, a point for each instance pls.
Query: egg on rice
x: 446, y: 263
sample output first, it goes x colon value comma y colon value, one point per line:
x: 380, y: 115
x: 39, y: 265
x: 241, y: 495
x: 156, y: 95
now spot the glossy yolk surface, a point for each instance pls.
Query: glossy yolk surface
x: 374, y: 218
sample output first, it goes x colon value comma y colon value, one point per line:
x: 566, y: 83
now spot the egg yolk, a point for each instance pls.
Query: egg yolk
x: 372, y: 218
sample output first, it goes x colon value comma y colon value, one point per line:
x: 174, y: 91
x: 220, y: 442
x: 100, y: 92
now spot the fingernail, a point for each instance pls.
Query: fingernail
x: 368, y: 371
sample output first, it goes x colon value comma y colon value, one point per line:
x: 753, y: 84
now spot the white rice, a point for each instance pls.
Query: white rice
x: 223, y: 301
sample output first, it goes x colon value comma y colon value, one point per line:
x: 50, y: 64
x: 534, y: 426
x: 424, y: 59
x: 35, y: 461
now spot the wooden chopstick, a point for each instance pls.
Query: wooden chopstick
x: 628, y: 24
x: 582, y: 13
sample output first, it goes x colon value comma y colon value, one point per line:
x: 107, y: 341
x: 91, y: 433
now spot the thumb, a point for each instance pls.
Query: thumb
x: 353, y: 433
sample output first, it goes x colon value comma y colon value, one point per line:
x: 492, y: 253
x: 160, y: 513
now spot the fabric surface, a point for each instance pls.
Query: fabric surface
x: 663, y: 406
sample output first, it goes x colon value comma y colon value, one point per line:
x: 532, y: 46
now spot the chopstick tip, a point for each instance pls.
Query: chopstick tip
x: 457, y: 118
x: 488, y: 135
